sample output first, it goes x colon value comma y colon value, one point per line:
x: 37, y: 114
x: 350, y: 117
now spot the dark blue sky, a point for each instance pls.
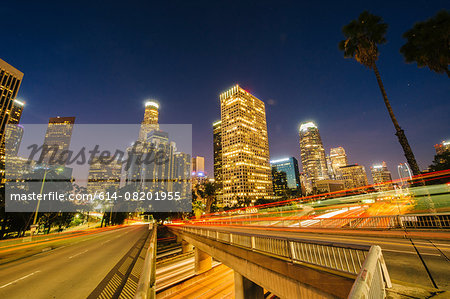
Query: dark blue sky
x: 99, y: 61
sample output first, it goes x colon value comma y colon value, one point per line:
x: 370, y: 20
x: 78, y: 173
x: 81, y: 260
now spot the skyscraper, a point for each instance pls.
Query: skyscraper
x: 57, y: 140
x: 246, y: 172
x: 103, y: 175
x: 354, y: 176
x: 290, y: 167
x: 442, y: 147
x: 198, y: 165
x: 150, y: 121
x: 10, y: 107
x: 217, y: 147
x: 280, y: 184
x: 338, y: 158
x: 381, y: 174
x: 312, y: 153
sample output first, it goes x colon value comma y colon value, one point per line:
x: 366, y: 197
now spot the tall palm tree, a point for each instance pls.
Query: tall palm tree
x: 362, y: 37
x: 428, y: 43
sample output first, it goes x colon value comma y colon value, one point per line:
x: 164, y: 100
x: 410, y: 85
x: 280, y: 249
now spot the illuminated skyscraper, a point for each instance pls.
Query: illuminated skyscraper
x: 338, y: 158
x: 354, y: 176
x: 217, y: 147
x: 103, y: 176
x: 198, y: 165
x: 246, y: 172
x: 150, y: 121
x: 181, y: 174
x: 57, y: 140
x: 442, y: 147
x: 381, y: 174
x: 280, y: 184
x: 290, y: 167
x: 10, y: 108
x: 312, y: 153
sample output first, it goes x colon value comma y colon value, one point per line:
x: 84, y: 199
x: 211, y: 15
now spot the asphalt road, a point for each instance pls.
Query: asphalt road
x: 71, y: 271
x: 430, y: 268
x: 220, y: 284
x: 172, y: 272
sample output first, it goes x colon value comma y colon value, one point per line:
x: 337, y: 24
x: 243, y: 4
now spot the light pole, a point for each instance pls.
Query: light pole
x: 39, y: 202
x: 47, y: 170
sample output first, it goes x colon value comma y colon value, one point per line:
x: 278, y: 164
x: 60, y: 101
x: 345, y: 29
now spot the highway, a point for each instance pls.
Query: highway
x: 430, y: 268
x: 70, y: 271
x: 219, y: 284
x: 175, y: 270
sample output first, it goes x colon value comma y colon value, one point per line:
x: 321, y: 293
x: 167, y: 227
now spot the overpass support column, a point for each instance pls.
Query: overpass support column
x: 203, y: 261
x: 186, y: 247
x: 246, y: 289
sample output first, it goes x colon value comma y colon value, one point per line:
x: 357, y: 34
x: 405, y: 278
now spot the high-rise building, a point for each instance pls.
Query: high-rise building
x: 57, y: 140
x: 312, y: 153
x: 354, y: 176
x: 327, y: 186
x: 280, y: 184
x: 290, y: 167
x: 150, y: 121
x: 338, y: 158
x: 13, y: 138
x: 104, y: 175
x: 10, y: 107
x: 181, y: 174
x: 246, y: 172
x: 442, y: 147
x: 217, y: 147
x: 381, y: 174
x: 198, y: 165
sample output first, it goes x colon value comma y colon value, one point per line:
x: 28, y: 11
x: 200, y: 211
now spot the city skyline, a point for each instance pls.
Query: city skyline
x: 293, y: 76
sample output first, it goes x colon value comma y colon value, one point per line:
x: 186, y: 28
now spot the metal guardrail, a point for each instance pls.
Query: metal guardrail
x: 373, y: 279
x: 342, y: 257
x: 146, y: 285
x: 408, y: 221
x: 364, y: 261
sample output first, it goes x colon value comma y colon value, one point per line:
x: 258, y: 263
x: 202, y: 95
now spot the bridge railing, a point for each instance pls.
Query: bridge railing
x: 364, y: 261
x: 373, y: 278
x: 146, y: 285
x: 336, y: 256
x: 411, y: 221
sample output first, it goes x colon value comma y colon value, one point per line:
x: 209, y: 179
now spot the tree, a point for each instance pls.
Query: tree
x: 362, y: 37
x: 428, y: 43
x: 210, y: 194
x: 441, y: 162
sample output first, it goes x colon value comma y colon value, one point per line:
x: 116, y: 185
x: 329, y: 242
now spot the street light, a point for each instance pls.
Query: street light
x: 47, y: 170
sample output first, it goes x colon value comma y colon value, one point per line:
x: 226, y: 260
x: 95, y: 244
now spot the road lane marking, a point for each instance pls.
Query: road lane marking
x: 78, y: 254
x: 12, y: 282
x: 411, y: 252
x: 106, y: 241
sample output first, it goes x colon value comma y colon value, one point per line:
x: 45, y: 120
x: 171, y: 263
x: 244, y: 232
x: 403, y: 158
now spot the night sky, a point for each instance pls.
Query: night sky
x: 101, y: 61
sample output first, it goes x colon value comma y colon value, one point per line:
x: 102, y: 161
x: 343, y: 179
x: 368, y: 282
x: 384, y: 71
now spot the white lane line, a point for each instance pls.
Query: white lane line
x: 12, y: 282
x: 78, y: 254
x: 411, y: 252
x: 106, y: 241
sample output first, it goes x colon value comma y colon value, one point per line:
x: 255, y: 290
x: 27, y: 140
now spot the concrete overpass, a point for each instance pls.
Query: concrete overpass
x: 288, y: 267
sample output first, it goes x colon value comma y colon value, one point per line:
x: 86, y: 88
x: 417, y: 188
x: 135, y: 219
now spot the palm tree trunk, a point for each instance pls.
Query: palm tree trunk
x: 409, y: 155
